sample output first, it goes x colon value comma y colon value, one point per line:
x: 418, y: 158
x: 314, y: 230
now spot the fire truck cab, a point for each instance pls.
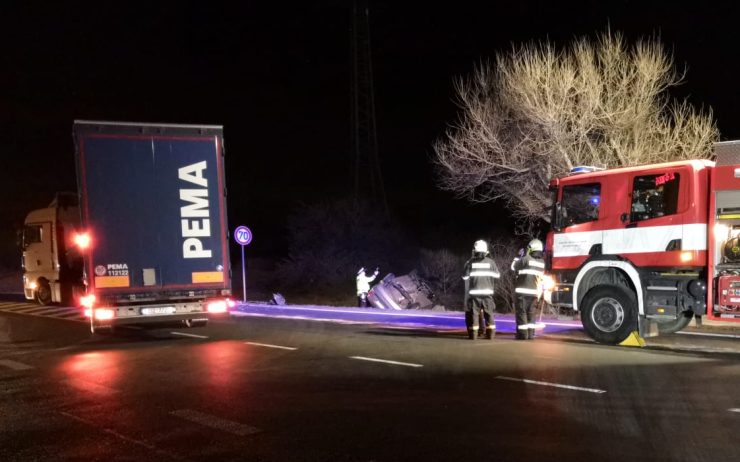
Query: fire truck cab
x: 648, y: 246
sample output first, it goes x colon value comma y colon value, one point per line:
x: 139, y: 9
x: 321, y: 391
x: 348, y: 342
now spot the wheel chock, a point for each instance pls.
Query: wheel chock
x: 634, y: 340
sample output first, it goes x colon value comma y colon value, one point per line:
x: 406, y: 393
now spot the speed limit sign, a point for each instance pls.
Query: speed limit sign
x: 242, y: 235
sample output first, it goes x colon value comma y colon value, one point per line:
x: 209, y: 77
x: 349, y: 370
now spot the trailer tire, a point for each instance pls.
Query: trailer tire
x: 105, y: 330
x: 674, y: 325
x: 43, y: 293
x: 609, y: 313
x: 195, y: 322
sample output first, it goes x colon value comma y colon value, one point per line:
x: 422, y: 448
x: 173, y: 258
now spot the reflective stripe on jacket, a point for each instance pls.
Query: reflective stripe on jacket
x: 480, y: 272
x: 529, y: 270
x: 363, y: 283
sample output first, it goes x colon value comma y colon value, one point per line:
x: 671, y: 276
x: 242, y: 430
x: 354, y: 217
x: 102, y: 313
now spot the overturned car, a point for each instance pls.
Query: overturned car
x: 407, y: 292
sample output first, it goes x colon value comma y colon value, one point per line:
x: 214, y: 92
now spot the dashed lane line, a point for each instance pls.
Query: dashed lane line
x: 734, y: 409
x: 15, y: 365
x: 215, y: 422
x: 550, y: 384
x: 183, y: 334
x: 386, y: 361
x: 268, y: 345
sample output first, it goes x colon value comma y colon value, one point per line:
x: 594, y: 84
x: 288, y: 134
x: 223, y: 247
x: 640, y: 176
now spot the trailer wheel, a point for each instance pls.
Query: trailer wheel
x: 674, y: 325
x: 609, y: 313
x: 195, y: 322
x: 102, y: 330
x: 43, y: 293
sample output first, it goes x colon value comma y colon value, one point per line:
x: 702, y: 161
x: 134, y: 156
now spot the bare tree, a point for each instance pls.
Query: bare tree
x: 442, y: 268
x: 539, y: 112
x: 503, y: 254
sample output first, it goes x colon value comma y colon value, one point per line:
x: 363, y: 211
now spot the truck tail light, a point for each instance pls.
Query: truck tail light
x: 101, y: 314
x: 87, y: 300
x: 104, y: 314
x: 216, y: 306
x: 82, y: 240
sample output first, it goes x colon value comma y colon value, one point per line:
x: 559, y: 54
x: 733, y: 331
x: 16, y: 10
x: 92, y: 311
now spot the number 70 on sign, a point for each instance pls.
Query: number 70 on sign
x: 242, y: 235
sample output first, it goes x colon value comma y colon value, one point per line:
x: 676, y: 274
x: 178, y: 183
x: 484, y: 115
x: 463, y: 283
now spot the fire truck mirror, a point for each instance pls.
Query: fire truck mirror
x: 557, y: 222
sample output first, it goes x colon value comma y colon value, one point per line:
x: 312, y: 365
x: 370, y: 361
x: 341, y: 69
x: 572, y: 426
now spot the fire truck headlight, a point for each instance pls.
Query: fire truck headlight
x: 548, y: 283
x: 686, y: 256
x: 33, y: 285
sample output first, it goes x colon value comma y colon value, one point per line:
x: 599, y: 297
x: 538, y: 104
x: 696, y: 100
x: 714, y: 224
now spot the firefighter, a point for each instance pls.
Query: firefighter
x: 529, y: 269
x: 363, y: 286
x: 480, y: 272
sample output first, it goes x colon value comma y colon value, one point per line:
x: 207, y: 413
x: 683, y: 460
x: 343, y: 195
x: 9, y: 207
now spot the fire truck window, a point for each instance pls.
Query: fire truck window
x: 31, y: 235
x: 580, y: 203
x: 655, y: 196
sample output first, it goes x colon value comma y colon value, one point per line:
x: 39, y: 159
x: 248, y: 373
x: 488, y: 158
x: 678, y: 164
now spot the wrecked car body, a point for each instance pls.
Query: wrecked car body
x: 407, y: 292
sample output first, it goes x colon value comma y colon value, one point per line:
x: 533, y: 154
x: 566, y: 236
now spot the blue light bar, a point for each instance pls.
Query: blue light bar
x: 584, y: 169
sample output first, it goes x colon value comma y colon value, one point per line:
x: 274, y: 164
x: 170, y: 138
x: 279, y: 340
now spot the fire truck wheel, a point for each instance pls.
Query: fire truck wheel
x: 675, y: 325
x: 609, y: 313
x: 43, y: 293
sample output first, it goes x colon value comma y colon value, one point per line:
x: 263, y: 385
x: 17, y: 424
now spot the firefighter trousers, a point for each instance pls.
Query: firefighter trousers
x: 525, y: 307
x: 476, y: 323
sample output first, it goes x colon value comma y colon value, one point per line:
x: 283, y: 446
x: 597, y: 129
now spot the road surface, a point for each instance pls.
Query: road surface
x: 277, y: 386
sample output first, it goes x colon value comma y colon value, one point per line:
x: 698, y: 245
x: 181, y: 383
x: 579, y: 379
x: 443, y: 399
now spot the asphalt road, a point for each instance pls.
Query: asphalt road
x: 258, y: 388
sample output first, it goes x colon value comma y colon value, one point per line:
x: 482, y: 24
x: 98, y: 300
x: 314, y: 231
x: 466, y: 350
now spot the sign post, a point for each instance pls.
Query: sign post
x: 243, y: 236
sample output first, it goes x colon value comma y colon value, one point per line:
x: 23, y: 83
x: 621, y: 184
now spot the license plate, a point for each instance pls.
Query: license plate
x: 159, y: 310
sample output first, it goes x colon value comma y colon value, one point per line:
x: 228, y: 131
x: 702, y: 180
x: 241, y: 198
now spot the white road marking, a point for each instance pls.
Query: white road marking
x: 386, y: 361
x: 706, y: 334
x: 549, y: 384
x: 15, y: 365
x: 91, y: 387
x: 215, y: 422
x: 734, y: 409
x: 125, y: 438
x: 188, y: 335
x: 271, y: 346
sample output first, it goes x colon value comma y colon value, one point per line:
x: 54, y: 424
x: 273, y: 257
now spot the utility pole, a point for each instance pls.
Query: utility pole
x: 366, y: 171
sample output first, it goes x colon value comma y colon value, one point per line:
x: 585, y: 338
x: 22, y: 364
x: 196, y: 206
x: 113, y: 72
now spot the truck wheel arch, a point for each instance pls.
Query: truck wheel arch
x: 621, y: 272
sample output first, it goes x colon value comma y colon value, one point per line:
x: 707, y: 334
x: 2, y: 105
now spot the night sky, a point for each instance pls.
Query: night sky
x: 277, y: 77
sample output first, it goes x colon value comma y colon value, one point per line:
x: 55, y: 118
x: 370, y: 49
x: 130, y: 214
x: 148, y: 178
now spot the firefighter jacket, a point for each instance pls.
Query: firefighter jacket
x: 363, y: 282
x: 480, y: 273
x: 529, y: 271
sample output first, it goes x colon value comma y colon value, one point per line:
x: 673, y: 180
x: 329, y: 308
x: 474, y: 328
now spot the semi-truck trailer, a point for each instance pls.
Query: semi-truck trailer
x: 145, y: 237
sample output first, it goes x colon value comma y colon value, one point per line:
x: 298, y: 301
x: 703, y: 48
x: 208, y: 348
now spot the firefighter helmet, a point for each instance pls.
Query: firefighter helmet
x: 361, y: 271
x: 535, y: 245
x: 480, y: 246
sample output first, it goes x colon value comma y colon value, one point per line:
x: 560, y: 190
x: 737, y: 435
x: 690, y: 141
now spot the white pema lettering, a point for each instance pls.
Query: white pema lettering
x: 195, y: 214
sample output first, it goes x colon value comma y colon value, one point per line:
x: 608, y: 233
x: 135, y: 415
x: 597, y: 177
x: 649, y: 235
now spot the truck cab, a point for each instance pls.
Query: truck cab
x: 631, y: 244
x: 51, y: 262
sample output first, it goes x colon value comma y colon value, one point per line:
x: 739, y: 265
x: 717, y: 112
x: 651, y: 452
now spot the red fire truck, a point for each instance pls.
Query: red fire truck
x: 648, y: 247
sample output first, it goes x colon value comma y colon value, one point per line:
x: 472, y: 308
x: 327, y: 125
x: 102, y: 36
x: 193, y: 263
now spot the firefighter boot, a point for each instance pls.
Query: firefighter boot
x: 530, y: 333
x: 521, y: 334
x: 490, y: 333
